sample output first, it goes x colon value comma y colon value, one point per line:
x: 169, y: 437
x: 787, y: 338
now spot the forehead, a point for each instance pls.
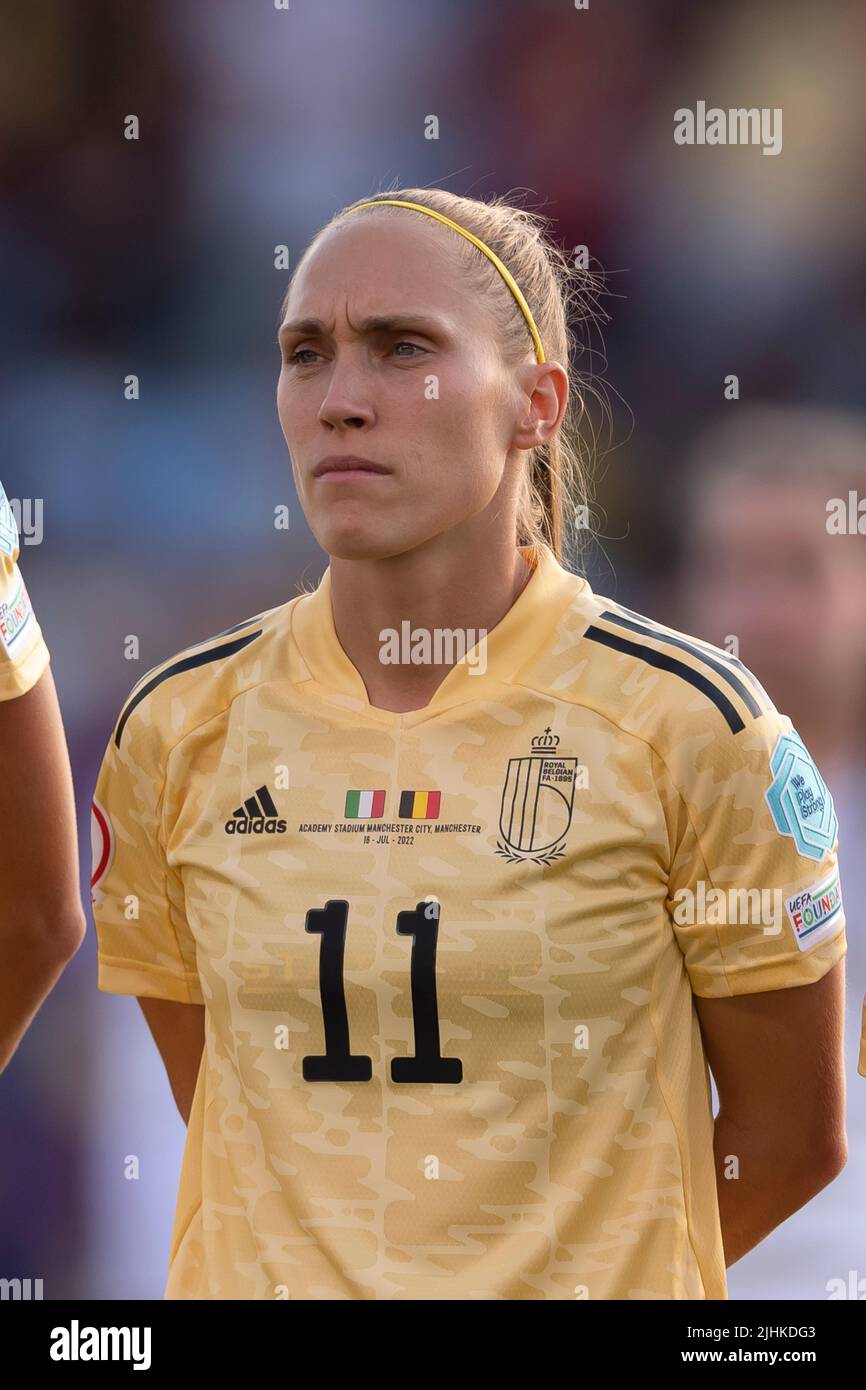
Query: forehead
x: 382, y: 264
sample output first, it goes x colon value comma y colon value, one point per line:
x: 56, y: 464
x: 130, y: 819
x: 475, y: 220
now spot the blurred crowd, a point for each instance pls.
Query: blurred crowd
x: 155, y: 258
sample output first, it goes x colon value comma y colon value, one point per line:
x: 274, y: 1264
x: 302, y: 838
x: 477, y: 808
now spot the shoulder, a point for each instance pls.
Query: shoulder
x: 711, y: 724
x: 665, y: 682
x: 694, y: 704
x: 652, y: 680
x: 198, y: 682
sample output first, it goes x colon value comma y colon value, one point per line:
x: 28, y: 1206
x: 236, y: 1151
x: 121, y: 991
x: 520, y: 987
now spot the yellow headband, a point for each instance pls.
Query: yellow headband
x: 491, y: 256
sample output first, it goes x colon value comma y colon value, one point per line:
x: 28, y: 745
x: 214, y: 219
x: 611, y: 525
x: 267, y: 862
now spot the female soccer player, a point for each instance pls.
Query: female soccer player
x: 461, y: 872
x: 41, y: 917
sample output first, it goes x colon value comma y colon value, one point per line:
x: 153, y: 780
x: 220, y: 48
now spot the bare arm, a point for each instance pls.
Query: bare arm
x: 178, y: 1031
x: 778, y: 1063
x: 42, y: 921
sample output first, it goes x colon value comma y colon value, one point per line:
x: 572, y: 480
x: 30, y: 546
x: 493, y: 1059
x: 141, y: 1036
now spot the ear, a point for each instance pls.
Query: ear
x: 543, y: 404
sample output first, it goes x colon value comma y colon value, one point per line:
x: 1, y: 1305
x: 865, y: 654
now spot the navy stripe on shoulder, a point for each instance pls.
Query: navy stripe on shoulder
x: 670, y: 663
x: 700, y: 647
x: 248, y: 622
x: 186, y: 663
x: 666, y: 636
x: 205, y: 642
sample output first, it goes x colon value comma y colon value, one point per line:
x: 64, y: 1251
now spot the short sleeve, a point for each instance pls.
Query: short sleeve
x: 861, y: 1065
x: 145, y: 946
x: 755, y: 897
x: 23, y: 653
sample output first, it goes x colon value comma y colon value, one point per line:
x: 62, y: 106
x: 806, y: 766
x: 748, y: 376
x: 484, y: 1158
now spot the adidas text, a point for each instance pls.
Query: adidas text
x: 256, y: 826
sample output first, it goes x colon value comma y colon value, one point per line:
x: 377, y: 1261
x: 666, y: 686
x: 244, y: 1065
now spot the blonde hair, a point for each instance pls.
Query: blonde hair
x: 558, y: 476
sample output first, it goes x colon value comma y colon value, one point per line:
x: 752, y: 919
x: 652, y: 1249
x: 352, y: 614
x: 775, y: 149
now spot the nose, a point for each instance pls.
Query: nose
x: 346, y: 401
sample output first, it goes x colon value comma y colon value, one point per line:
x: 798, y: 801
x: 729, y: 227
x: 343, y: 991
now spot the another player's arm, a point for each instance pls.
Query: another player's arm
x: 778, y: 1063
x: 178, y: 1031
x: 146, y: 948
x: 42, y: 920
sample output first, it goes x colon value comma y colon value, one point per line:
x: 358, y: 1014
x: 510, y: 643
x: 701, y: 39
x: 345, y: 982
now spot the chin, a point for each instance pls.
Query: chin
x: 375, y: 535
x: 361, y: 543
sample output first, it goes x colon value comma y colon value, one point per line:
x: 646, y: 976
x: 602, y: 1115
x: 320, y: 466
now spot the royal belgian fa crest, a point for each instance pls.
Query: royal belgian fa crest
x: 537, y: 803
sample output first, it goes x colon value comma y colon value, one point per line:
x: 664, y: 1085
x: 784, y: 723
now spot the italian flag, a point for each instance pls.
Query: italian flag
x: 364, y: 805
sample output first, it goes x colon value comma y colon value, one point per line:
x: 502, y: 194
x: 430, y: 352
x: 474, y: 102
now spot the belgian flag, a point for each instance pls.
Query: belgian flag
x: 419, y: 805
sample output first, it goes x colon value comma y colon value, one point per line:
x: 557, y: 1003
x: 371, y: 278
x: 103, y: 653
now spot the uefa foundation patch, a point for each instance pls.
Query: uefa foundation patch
x: 14, y: 616
x: 815, y: 913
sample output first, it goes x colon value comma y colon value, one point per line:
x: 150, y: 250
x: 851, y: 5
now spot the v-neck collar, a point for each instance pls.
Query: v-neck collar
x: 511, y: 644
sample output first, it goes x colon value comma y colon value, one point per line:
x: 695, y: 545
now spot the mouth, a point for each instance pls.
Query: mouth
x: 348, y: 466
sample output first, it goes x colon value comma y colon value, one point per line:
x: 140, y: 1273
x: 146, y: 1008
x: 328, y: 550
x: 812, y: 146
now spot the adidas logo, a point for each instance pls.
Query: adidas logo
x: 257, y: 816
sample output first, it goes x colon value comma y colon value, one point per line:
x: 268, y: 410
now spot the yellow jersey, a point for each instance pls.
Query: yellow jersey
x: 23, y: 653
x: 448, y: 957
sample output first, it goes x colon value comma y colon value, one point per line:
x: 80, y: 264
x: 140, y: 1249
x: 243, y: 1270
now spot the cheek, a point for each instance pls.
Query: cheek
x: 283, y: 410
x: 468, y: 425
x: 467, y: 400
x: 293, y: 410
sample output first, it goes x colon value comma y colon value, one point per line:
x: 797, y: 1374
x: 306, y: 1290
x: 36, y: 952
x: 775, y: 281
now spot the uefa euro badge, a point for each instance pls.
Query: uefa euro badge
x: 799, y: 799
x: 8, y: 528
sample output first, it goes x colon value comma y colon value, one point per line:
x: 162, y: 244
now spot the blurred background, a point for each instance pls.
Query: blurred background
x: 155, y: 257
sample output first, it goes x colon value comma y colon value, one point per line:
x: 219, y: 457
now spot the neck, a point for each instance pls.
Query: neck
x: 433, y: 587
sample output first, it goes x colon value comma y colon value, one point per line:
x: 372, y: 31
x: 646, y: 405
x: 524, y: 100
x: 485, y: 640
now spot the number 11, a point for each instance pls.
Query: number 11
x: 338, y: 1062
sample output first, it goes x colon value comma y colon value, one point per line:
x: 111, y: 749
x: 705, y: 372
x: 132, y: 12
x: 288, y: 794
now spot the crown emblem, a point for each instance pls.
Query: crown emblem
x: 544, y: 743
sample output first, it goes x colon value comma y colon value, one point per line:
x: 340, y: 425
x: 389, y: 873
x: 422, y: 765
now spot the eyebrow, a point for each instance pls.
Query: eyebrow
x: 376, y: 323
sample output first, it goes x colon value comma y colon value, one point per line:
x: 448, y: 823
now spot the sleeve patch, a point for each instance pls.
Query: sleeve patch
x: 814, y: 913
x: 14, y: 617
x: 799, y: 799
x: 101, y: 848
x: 8, y: 527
